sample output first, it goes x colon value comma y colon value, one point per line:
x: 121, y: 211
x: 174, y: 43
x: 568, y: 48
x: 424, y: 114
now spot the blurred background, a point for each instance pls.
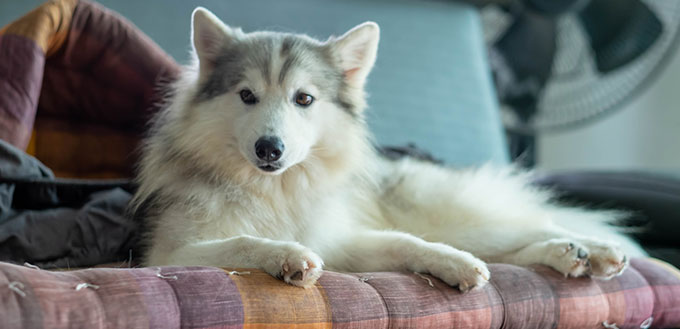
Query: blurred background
x: 577, y: 84
x: 593, y: 80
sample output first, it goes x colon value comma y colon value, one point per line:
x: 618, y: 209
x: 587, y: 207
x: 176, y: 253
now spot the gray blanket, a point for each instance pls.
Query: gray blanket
x: 51, y: 222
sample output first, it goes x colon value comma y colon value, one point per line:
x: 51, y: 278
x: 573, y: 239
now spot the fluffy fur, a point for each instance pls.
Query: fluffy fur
x: 331, y: 201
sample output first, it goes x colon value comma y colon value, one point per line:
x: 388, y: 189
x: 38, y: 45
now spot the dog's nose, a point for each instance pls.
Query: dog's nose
x: 269, y: 148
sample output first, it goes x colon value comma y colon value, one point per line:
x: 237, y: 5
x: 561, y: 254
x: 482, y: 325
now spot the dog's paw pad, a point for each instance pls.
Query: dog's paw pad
x: 581, y: 254
x: 568, y: 257
x: 297, y: 276
x: 301, y: 269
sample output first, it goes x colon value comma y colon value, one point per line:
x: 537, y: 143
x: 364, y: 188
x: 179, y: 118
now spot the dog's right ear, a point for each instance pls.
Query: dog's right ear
x: 209, y: 36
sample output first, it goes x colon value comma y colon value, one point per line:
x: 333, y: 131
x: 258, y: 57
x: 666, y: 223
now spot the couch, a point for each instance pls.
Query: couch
x: 78, y: 83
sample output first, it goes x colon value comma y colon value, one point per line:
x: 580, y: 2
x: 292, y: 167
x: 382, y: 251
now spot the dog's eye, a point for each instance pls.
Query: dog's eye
x: 248, y: 97
x: 303, y: 99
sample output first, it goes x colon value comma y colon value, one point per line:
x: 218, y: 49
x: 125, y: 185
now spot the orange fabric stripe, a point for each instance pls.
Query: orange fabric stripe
x: 77, y: 150
x: 325, y: 325
x: 30, y: 149
x: 270, y: 303
x: 47, y: 25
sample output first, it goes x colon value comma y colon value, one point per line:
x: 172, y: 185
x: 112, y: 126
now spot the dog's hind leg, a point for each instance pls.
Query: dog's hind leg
x: 373, y: 250
x: 575, y: 241
x: 289, y: 261
x: 497, y: 216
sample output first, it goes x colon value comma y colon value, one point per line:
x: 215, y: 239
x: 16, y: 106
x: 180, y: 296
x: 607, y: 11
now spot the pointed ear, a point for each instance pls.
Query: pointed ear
x: 209, y: 35
x: 356, y: 51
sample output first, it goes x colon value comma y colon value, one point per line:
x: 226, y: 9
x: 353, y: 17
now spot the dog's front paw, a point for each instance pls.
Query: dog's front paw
x: 460, y: 269
x: 300, y: 267
x: 607, y: 260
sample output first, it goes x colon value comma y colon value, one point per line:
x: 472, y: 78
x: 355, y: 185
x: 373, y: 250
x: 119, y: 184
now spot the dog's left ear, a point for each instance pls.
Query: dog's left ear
x: 356, y: 51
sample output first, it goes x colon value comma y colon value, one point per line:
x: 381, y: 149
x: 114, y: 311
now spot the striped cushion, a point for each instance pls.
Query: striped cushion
x: 205, y: 297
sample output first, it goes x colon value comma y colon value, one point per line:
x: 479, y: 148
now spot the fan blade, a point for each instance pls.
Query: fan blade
x: 522, y: 61
x: 619, y: 31
x: 555, y: 7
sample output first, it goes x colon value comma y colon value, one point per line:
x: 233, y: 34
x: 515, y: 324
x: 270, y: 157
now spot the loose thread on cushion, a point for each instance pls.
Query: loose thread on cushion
x: 425, y: 278
x: 17, y: 287
x: 84, y: 285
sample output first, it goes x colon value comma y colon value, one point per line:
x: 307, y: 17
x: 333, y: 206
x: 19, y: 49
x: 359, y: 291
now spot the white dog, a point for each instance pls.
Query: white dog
x: 262, y: 159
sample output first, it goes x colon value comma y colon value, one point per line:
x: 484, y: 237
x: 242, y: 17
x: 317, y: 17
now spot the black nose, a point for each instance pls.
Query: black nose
x: 269, y: 148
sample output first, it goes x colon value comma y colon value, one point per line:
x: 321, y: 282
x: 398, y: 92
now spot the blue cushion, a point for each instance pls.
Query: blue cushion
x: 431, y: 85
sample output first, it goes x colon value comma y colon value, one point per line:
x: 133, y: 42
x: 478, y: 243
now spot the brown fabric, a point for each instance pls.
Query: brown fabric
x: 106, y: 74
x: 21, y: 71
x: 95, y: 91
x: 95, y: 151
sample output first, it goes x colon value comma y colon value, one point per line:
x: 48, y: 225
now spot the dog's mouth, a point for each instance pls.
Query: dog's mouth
x: 269, y: 167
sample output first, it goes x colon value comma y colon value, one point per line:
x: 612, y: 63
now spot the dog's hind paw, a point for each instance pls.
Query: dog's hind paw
x: 566, y: 256
x: 585, y: 258
x: 607, y: 260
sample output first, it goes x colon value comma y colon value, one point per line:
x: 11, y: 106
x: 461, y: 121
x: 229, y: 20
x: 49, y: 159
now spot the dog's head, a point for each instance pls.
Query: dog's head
x: 277, y: 98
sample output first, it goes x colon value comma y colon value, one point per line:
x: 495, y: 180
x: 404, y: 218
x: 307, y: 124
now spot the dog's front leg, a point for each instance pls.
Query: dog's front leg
x: 287, y: 260
x: 389, y: 251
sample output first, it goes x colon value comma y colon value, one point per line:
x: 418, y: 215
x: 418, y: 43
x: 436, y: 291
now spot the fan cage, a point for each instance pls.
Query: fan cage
x: 576, y: 93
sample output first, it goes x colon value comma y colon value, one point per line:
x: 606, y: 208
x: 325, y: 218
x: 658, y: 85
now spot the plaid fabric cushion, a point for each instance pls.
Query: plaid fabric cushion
x: 647, y: 295
x: 80, y: 82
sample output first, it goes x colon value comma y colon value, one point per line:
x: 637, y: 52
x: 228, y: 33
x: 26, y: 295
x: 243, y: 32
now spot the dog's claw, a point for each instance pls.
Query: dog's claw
x: 479, y: 271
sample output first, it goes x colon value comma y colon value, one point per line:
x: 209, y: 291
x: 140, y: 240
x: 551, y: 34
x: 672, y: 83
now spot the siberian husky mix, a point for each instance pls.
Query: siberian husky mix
x: 262, y: 159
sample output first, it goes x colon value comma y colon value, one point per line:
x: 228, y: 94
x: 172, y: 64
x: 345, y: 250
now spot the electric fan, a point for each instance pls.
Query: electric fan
x: 558, y: 64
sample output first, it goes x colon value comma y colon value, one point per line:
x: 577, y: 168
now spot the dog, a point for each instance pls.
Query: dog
x: 262, y: 159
